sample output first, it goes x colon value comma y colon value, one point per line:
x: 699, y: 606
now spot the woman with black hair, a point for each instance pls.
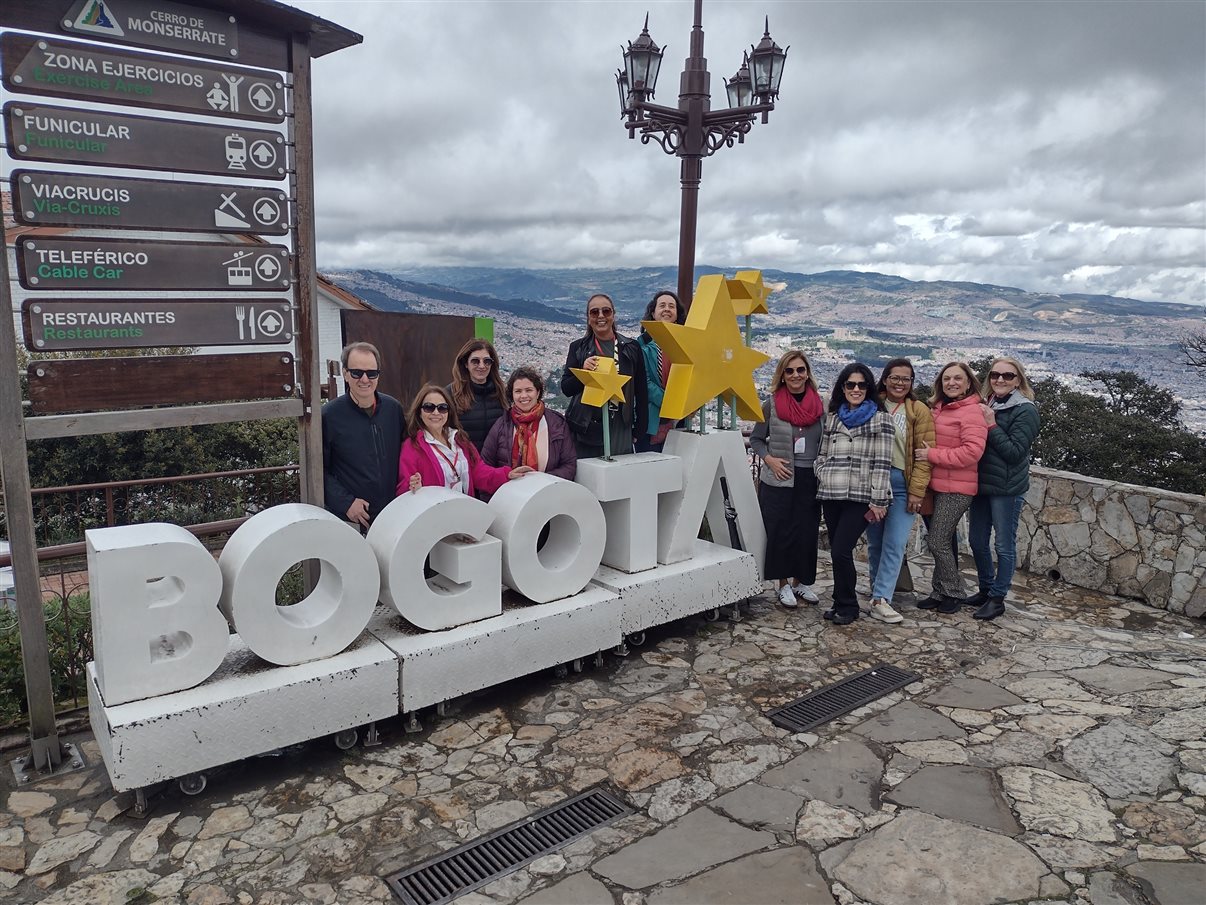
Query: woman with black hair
x: 887, y: 539
x: 664, y: 306
x: 627, y: 420
x: 477, y: 390
x: 853, y: 470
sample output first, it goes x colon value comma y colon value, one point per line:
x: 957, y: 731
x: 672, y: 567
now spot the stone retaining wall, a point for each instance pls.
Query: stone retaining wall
x: 1118, y: 538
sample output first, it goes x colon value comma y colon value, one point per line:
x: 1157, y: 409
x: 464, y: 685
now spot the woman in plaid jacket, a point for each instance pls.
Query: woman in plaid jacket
x: 853, y: 470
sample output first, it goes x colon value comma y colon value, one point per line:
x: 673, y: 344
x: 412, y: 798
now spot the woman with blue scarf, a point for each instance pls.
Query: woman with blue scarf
x: 853, y: 469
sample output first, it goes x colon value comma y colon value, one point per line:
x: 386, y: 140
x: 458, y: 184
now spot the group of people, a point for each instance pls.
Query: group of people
x: 476, y: 433
x: 870, y: 459
x: 873, y: 459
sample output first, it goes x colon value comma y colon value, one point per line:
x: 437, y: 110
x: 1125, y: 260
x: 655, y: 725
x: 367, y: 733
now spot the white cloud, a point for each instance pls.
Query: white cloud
x: 1052, y: 146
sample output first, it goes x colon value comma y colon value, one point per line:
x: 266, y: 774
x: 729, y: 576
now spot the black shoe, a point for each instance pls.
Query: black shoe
x: 844, y: 618
x: 828, y: 614
x: 977, y: 599
x: 930, y: 603
x: 992, y: 608
x: 950, y: 605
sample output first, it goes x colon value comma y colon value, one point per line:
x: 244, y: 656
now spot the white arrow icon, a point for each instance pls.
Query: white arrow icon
x: 262, y: 154
x: 270, y: 323
x: 266, y: 267
x: 262, y: 97
x: 266, y: 212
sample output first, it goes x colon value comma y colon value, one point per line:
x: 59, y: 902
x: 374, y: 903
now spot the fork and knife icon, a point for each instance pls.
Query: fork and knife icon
x: 242, y: 315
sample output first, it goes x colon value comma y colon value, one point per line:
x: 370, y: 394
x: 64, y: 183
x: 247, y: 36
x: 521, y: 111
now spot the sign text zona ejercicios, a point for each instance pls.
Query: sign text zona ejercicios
x: 87, y: 72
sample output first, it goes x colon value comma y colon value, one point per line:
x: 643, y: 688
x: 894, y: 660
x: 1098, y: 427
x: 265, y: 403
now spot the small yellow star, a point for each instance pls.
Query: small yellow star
x: 707, y: 355
x: 602, y: 385
x: 749, y: 293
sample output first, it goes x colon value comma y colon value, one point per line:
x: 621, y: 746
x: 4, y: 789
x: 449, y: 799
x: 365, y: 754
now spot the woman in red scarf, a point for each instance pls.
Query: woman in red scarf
x: 528, y: 433
x: 787, y: 440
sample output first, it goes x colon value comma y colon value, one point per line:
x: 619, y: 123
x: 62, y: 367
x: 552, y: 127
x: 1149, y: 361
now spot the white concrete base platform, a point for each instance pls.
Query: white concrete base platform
x: 714, y: 577
x: 440, y: 666
x: 248, y: 707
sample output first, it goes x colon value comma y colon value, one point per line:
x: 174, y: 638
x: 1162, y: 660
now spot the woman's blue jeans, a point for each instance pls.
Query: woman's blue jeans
x: 886, y: 540
x: 995, y: 515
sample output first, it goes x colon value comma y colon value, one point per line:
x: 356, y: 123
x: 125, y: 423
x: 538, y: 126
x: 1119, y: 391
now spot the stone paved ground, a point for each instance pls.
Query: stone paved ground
x: 1056, y: 755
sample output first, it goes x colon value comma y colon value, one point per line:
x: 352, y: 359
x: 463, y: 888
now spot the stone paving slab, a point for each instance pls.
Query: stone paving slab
x: 972, y: 694
x: 578, y: 889
x: 697, y: 841
x: 1171, y: 884
x: 958, y: 793
x: 919, y: 859
x: 786, y: 876
x: 845, y: 773
x: 760, y: 806
x: 908, y: 722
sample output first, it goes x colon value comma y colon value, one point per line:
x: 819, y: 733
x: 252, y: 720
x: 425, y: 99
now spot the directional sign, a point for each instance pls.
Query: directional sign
x: 74, y: 199
x: 156, y: 23
x: 60, y: 324
x: 69, y: 135
x: 87, y: 72
x: 119, y: 264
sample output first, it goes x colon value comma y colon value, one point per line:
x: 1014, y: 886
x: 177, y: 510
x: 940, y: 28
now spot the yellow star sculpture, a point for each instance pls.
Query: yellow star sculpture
x: 707, y: 355
x: 749, y: 293
x: 602, y: 385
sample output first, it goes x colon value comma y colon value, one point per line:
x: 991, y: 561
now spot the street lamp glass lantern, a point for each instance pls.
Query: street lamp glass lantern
x: 642, y: 60
x: 622, y: 87
x: 767, y: 61
x: 740, y: 87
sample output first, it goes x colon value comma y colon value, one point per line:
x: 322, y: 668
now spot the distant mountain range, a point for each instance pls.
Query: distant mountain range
x: 559, y: 295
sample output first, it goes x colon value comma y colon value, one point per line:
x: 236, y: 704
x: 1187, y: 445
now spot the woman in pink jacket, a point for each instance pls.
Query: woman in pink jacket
x: 437, y: 453
x: 961, y: 433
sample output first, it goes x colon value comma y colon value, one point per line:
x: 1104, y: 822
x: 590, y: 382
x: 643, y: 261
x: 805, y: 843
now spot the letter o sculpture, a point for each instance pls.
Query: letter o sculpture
x: 577, y: 536
x: 334, y: 614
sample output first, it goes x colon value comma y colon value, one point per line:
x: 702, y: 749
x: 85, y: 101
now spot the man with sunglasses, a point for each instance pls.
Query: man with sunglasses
x: 361, y: 440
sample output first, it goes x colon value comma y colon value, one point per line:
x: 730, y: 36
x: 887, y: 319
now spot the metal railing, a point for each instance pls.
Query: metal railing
x: 210, y: 505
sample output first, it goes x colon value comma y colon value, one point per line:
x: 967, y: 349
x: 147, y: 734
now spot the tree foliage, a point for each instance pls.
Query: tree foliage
x: 1131, y: 395
x: 1093, y: 436
x: 1193, y: 348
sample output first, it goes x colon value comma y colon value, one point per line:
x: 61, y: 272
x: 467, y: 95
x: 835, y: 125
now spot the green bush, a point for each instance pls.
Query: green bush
x: 69, y: 636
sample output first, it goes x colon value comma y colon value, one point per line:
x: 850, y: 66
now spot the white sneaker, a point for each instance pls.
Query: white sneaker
x: 805, y: 593
x: 882, y: 610
x: 787, y: 598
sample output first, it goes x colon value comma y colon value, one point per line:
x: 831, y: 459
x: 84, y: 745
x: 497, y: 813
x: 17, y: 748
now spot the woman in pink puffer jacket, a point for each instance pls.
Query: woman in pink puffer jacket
x: 961, y: 433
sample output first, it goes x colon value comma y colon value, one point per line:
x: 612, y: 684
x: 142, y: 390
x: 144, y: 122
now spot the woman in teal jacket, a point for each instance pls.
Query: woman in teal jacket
x: 1004, y: 478
x: 664, y: 306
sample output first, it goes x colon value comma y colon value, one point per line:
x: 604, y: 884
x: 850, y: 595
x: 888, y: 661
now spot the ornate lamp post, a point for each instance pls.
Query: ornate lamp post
x: 692, y: 130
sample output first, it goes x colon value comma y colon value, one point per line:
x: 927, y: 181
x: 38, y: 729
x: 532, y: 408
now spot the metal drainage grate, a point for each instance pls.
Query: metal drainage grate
x: 473, y: 865
x: 832, y: 701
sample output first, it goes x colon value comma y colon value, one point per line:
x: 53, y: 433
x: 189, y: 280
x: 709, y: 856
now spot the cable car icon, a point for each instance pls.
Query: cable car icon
x: 237, y: 273
x: 236, y: 152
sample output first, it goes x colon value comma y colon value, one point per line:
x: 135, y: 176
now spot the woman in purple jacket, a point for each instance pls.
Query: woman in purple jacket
x: 528, y: 433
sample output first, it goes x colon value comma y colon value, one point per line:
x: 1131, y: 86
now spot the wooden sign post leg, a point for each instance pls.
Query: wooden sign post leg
x: 46, y: 752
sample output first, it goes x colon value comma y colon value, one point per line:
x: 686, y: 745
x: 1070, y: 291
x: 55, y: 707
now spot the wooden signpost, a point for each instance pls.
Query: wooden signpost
x: 236, y: 76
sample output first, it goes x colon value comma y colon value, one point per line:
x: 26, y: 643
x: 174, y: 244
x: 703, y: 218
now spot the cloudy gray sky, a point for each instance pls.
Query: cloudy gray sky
x: 1051, y: 145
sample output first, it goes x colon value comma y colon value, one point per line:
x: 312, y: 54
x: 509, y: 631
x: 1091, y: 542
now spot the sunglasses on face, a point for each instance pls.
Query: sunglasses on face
x: 370, y: 373
x: 1002, y: 375
x: 599, y: 312
x: 481, y: 362
x: 429, y: 407
x: 802, y: 371
x: 855, y: 385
